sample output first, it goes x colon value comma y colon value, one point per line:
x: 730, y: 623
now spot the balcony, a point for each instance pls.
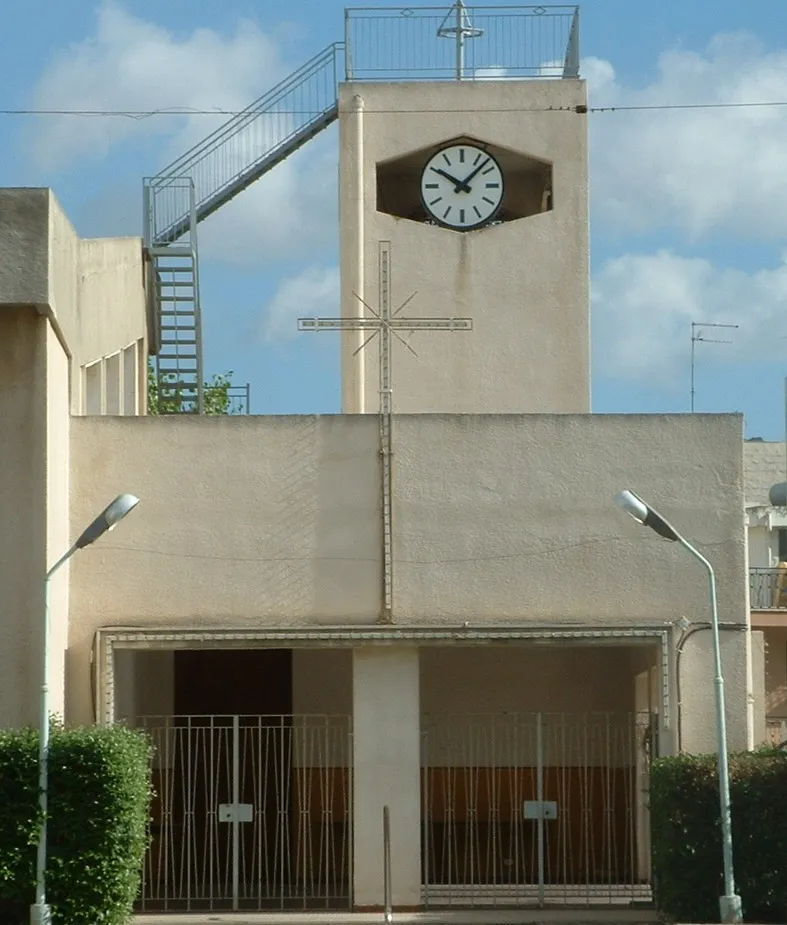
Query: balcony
x: 768, y: 588
x: 775, y: 731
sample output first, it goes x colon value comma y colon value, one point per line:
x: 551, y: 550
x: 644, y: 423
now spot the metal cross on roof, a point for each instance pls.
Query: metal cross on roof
x: 387, y: 325
x: 457, y: 26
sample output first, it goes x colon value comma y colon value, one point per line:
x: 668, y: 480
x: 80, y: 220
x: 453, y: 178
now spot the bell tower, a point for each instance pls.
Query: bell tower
x: 472, y: 164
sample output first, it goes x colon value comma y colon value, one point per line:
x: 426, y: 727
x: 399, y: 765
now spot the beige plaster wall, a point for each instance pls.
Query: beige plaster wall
x: 502, y: 518
x: 92, y: 290
x: 34, y: 455
x: 22, y: 509
x: 524, y: 283
x: 485, y: 679
x: 111, y: 296
x: 243, y: 521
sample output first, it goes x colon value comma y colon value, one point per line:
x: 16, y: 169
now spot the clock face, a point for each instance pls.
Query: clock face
x: 462, y: 187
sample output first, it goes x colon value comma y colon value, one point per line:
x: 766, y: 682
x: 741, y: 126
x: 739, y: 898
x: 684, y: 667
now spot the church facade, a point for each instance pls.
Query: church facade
x: 426, y: 634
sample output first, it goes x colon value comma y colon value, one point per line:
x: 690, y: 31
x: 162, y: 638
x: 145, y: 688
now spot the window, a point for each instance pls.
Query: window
x: 112, y: 384
x: 93, y: 388
x: 130, y: 380
x: 782, y: 543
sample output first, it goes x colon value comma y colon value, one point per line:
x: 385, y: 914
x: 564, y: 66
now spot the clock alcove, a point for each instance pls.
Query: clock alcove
x: 528, y: 187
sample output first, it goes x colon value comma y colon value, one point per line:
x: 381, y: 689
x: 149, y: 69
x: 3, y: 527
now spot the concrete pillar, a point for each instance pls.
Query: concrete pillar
x: 386, y: 756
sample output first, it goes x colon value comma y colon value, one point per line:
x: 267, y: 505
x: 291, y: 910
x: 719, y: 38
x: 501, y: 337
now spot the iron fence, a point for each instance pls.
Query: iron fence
x: 461, y: 41
x: 240, y: 399
x: 250, y: 813
x: 536, y: 809
x: 768, y: 588
x: 776, y: 731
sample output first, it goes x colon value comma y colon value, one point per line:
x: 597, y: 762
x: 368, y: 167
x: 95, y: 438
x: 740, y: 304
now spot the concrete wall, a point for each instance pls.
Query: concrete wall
x: 524, y: 283
x: 275, y: 521
x: 92, y: 291
x: 22, y: 508
x: 484, y: 679
x: 764, y: 464
x: 34, y: 462
x: 60, y: 300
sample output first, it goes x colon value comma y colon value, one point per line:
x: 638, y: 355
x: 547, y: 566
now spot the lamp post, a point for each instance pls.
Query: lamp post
x: 730, y: 902
x: 40, y: 911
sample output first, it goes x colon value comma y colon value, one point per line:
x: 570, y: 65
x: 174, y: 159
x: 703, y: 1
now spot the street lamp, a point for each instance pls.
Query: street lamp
x: 40, y: 911
x: 730, y: 903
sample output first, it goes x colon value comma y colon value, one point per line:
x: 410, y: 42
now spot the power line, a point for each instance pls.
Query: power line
x: 191, y: 111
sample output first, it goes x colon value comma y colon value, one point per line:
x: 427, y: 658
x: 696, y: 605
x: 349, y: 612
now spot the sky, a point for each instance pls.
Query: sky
x: 688, y: 202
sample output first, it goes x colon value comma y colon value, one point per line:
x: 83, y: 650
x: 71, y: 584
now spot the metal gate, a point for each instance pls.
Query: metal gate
x: 536, y: 808
x: 249, y: 813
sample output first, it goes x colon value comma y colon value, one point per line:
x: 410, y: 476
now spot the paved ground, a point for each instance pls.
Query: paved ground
x: 469, y: 917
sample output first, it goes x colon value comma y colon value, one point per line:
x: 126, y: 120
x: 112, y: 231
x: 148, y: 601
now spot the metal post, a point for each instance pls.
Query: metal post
x: 460, y: 40
x: 785, y: 426
x: 730, y: 903
x: 387, y: 864
x: 540, y: 798
x: 200, y: 386
x: 235, y: 804
x: 40, y: 911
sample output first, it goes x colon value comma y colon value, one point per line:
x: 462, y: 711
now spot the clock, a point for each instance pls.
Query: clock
x: 462, y: 187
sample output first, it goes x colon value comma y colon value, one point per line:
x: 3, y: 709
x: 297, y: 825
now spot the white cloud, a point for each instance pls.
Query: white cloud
x: 644, y: 304
x: 133, y: 65
x: 695, y: 170
x: 315, y: 291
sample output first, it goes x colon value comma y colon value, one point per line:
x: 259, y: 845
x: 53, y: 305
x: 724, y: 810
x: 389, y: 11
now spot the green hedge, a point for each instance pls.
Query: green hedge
x: 99, y: 798
x: 686, y: 835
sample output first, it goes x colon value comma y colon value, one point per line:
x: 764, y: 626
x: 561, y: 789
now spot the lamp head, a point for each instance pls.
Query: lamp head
x: 632, y: 504
x: 644, y: 514
x: 107, y: 519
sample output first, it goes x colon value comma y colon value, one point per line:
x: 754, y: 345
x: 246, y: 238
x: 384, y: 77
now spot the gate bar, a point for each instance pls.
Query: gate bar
x: 387, y: 864
x: 235, y: 814
x: 540, y: 798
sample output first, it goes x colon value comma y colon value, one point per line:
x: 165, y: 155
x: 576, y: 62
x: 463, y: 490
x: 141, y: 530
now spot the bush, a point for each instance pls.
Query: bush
x: 99, y: 797
x: 686, y: 835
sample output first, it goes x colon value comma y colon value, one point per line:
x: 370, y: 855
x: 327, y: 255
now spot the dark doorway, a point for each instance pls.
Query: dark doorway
x: 213, y: 687
x: 246, y: 682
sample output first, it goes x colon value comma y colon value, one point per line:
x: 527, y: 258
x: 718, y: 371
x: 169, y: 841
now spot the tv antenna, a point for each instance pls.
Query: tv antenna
x: 697, y: 335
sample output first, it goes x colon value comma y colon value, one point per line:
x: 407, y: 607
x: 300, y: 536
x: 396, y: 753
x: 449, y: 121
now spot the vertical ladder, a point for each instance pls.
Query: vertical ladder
x: 178, y: 318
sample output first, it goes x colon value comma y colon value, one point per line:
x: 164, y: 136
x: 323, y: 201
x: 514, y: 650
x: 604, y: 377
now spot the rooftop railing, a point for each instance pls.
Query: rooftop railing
x: 768, y: 588
x: 465, y: 42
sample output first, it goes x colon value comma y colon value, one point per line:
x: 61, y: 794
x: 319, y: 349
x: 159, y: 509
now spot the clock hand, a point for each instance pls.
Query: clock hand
x: 474, y: 173
x: 459, y: 185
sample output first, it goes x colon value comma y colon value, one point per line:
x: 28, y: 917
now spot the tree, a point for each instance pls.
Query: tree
x: 163, y: 399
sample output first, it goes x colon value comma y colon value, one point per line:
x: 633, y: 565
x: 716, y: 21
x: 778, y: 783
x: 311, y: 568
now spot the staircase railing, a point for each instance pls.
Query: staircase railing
x: 246, y: 146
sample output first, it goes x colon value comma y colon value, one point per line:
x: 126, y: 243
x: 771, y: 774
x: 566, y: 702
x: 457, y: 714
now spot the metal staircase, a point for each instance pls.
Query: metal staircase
x: 202, y: 180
